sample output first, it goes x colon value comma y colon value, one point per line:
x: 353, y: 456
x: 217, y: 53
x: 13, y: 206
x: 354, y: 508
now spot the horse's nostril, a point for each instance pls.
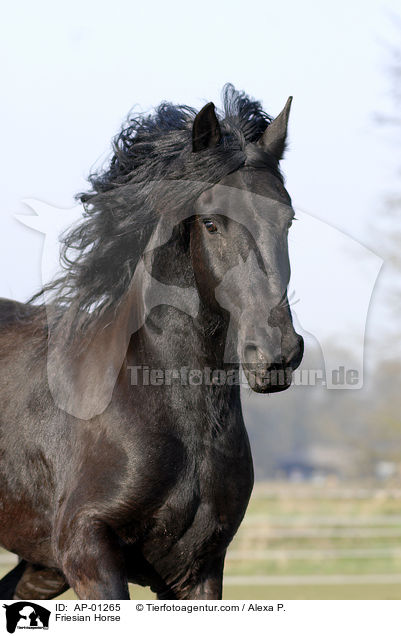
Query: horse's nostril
x: 253, y: 354
x: 258, y: 357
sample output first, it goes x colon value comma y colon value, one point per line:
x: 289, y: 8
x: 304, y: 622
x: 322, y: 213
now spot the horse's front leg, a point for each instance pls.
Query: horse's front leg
x: 208, y: 589
x: 92, y: 560
x: 38, y: 582
x: 208, y: 586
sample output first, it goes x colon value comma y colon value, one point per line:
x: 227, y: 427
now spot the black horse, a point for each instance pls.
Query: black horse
x: 124, y: 456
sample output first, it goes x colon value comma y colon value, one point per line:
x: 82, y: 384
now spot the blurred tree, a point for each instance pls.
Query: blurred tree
x: 388, y: 224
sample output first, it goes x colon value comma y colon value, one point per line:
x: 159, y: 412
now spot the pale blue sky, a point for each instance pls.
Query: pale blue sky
x: 72, y: 71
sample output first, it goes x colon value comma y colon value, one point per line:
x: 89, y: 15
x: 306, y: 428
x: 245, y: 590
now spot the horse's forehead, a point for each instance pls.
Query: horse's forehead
x: 259, y: 181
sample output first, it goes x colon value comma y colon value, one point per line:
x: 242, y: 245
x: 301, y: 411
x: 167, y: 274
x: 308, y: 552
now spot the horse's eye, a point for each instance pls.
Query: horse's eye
x: 210, y: 226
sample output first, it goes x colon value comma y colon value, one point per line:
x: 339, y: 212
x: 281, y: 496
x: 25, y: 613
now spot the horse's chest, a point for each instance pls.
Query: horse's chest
x: 203, y: 511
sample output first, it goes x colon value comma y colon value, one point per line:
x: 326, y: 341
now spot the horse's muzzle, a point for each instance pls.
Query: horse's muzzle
x: 265, y: 375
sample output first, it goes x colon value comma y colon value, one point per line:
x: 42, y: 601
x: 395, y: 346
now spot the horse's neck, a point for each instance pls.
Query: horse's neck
x: 172, y: 338
x: 180, y: 336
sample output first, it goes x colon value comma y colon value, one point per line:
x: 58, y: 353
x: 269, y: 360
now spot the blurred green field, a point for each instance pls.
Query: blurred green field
x: 302, y: 541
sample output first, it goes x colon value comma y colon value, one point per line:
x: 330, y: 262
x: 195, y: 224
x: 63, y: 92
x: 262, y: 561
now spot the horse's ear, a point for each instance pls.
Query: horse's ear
x: 206, y: 131
x: 274, y: 138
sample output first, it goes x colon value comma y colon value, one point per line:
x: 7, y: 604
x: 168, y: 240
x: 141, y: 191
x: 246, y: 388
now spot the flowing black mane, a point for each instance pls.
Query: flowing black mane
x: 159, y: 144
x: 99, y: 256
